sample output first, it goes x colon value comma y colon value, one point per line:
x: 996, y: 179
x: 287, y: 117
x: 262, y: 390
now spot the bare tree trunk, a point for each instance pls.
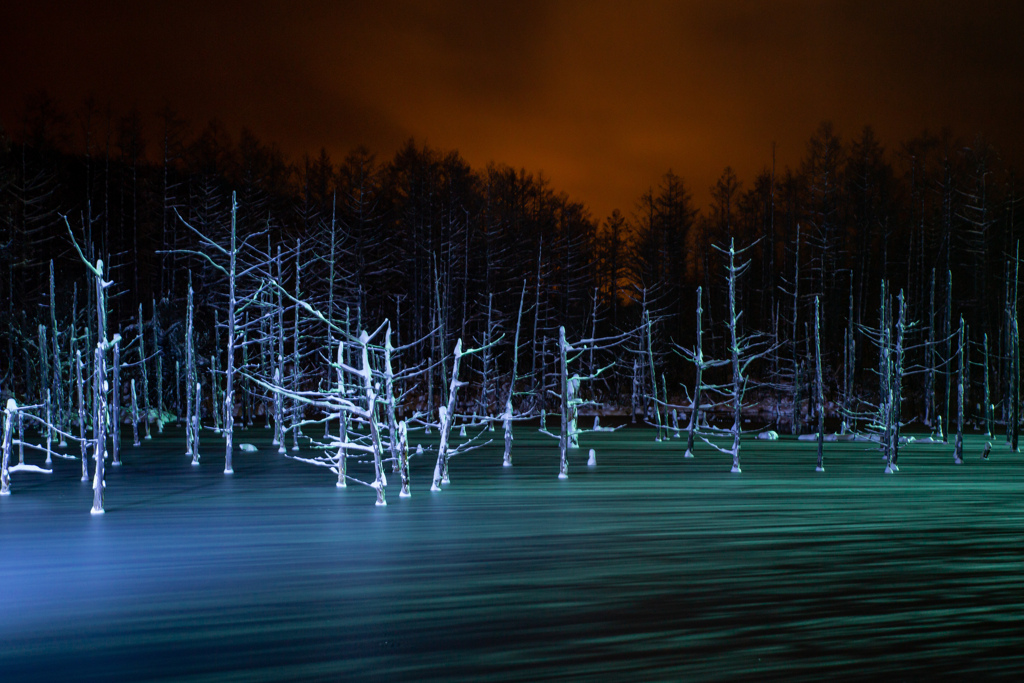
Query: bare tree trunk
x: 342, y: 421
x: 885, y: 374
x: 177, y: 390
x: 296, y: 357
x: 698, y: 356
x: 958, y: 447
x: 5, y: 447
x: 190, y: 378
x: 279, y: 433
x: 389, y: 401
x: 135, y: 417
x: 930, y: 407
x: 819, y: 393
x: 49, y: 429
x: 430, y: 375
x: 654, y: 375
x: 1015, y: 359
x: 849, y: 367
x: 447, y: 415
x: 1014, y: 397
x: 145, y: 376
x: 115, y: 410
x: 82, y: 441
x: 563, y: 437
x: 21, y: 437
x: 897, y: 382
x: 371, y: 409
x: 159, y: 372
x: 988, y: 393
x: 573, y: 406
x: 197, y: 423
x: 797, y: 378
x: 57, y: 388
x: 536, y: 348
x: 484, y: 404
x: 403, y: 454
x: 737, y: 377
x: 229, y: 391
x: 664, y: 402
x: 215, y: 415
x: 507, y: 462
x: 99, y: 448
x: 949, y: 355
x: 635, y: 397
x: 278, y: 411
x: 330, y: 298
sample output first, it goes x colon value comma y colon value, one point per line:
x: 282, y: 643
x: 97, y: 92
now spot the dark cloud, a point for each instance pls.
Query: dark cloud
x: 604, y: 97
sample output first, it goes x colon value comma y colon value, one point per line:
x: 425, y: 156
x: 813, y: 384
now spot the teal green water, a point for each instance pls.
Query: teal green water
x: 647, y: 567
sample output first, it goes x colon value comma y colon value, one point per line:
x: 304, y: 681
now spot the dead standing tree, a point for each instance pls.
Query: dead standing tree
x: 101, y: 387
x: 225, y: 259
x: 744, y: 349
x: 353, y: 402
x: 700, y: 387
x: 447, y: 415
x: 570, y: 382
x: 509, y: 413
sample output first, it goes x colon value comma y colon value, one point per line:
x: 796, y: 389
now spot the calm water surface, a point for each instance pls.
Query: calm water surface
x: 648, y: 567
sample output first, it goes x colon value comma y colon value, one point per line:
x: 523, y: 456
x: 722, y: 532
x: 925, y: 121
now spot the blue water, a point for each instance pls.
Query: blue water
x: 647, y: 567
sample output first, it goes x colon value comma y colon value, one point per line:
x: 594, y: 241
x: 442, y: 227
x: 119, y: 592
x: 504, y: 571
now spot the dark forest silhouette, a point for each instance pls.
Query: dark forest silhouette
x: 430, y: 243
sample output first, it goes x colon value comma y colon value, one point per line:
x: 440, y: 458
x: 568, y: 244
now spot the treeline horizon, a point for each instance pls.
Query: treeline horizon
x: 427, y: 240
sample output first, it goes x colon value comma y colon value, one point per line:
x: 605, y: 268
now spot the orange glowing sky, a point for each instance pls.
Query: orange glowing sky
x: 602, y: 97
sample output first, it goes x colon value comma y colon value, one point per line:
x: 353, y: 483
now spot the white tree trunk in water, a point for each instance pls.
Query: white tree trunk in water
x: 989, y: 417
x: 447, y: 415
x: 279, y: 434
x: 506, y: 418
x: 507, y: 415
x: 159, y: 372
x: 737, y: 377
x: 49, y: 429
x: 819, y: 391
x: 403, y: 454
x: 574, y: 410
x: 135, y: 416
x: 145, y: 376
x: 190, y: 377
x: 115, y: 410
x: 21, y: 438
x: 371, y: 408
x: 654, y: 375
x: 563, y: 437
x: 99, y: 445
x: 958, y: 448
x: 82, y: 441
x: 698, y: 361
x: 797, y: 379
x: 278, y: 413
x: 196, y: 424
x: 342, y: 421
x: 57, y: 386
x: 229, y: 392
x: 296, y: 357
x: 390, y: 409
x: 5, y: 447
